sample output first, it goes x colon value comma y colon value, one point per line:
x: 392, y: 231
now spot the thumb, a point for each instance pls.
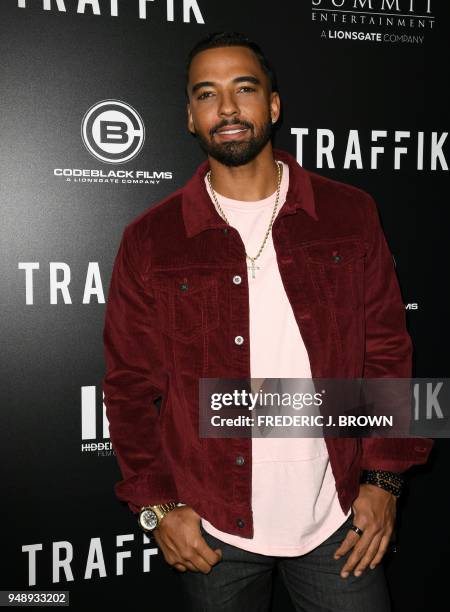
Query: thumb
x: 218, y: 551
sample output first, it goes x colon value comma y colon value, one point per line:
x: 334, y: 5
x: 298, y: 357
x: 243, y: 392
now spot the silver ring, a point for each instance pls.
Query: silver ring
x: 357, y: 530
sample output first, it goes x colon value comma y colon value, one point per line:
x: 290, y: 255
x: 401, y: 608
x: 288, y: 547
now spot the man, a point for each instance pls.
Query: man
x: 255, y: 268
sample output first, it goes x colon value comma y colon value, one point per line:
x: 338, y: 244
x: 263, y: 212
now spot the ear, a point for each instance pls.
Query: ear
x: 275, y: 106
x: 190, y: 121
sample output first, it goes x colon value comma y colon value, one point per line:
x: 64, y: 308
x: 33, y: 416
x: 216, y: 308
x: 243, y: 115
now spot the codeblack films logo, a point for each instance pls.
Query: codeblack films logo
x: 113, y: 131
x: 377, y: 21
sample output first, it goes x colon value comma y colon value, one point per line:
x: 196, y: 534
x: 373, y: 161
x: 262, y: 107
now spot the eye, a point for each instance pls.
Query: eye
x: 204, y: 95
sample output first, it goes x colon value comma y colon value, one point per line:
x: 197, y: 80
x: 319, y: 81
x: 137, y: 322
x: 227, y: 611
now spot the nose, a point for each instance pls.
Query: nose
x: 227, y: 105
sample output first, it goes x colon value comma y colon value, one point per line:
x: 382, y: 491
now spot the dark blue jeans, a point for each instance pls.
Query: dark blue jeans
x: 242, y: 581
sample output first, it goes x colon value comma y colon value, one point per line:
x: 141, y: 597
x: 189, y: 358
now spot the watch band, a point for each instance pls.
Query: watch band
x: 158, y: 510
x: 162, y: 509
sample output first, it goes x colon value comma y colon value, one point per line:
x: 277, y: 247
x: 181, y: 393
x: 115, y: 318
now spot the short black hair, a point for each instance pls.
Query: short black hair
x: 231, y: 39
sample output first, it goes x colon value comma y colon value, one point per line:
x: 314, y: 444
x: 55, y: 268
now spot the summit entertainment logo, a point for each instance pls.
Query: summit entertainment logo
x: 379, y: 21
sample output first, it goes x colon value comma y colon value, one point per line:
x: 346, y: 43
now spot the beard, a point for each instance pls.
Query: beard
x: 237, y: 153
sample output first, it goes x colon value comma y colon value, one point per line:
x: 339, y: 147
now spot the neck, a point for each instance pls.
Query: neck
x: 255, y: 180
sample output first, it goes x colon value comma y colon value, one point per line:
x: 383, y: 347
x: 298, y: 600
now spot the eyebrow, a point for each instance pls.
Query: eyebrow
x: 240, y: 79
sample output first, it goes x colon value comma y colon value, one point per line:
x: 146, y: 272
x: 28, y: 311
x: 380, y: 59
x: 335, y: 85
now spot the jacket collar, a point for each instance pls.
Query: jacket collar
x: 199, y: 213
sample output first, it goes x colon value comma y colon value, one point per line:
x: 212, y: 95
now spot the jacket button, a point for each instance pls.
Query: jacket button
x: 240, y: 460
x: 239, y: 339
x: 237, y: 279
x: 225, y: 230
x: 240, y: 523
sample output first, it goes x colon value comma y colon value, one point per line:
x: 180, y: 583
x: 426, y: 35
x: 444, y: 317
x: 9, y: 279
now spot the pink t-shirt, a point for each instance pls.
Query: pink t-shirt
x: 294, y: 498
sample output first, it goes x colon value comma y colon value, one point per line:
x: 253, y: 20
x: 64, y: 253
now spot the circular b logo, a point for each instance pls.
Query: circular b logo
x: 113, y: 131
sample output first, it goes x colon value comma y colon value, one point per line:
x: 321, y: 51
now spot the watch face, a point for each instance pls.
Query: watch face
x: 148, y: 519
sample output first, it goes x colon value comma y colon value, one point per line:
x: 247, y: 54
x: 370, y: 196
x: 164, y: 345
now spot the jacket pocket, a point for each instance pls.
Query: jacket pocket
x: 188, y: 309
x: 337, y: 271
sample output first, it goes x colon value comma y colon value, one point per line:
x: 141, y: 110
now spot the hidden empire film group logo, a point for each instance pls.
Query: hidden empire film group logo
x: 378, y: 21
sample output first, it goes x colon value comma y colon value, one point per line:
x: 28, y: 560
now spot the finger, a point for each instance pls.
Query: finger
x: 183, y: 560
x: 199, y: 562
x: 209, y: 555
x: 369, y: 555
x: 347, y: 543
x: 360, y: 549
x: 190, y: 565
x: 384, y: 545
x: 174, y: 559
x: 190, y: 557
x: 357, y: 553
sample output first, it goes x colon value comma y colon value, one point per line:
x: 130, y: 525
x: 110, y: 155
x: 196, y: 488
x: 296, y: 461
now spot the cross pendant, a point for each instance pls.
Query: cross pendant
x: 253, y: 268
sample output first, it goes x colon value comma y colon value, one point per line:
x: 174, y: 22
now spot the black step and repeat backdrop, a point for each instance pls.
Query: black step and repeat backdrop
x: 365, y: 101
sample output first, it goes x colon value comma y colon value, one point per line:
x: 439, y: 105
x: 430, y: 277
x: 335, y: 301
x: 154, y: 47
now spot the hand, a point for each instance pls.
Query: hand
x: 374, y: 512
x: 179, y: 537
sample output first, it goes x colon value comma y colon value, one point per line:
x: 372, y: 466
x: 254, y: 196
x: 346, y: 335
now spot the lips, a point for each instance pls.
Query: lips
x: 232, y: 129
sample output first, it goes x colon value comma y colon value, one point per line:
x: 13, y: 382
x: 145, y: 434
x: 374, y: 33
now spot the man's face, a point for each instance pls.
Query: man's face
x: 231, y: 109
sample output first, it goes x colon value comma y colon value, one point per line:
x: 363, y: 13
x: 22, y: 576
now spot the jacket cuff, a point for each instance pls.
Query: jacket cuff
x: 394, y: 454
x: 146, y: 489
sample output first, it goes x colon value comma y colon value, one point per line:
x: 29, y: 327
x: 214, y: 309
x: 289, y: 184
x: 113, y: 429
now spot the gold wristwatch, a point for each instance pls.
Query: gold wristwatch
x: 150, y: 516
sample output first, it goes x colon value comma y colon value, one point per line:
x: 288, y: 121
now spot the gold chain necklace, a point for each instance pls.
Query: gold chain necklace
x: 252, y: 259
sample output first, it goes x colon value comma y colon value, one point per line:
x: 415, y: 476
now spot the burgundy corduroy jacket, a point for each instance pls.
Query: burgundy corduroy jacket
x: 174, y: 313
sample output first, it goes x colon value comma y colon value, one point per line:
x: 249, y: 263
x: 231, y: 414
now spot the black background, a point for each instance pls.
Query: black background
x: 53, y: 67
